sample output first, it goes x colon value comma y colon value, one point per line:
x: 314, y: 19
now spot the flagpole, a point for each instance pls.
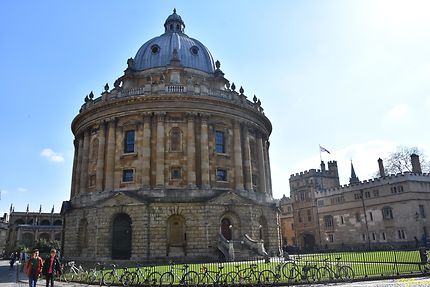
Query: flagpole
x: 320, y: 153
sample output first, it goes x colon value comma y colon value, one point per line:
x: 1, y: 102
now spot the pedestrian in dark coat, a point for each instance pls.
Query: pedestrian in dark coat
x: 51, y: 268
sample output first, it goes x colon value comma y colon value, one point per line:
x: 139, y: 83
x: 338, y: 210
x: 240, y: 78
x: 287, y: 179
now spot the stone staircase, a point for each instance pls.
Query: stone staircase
x: 247, y: 248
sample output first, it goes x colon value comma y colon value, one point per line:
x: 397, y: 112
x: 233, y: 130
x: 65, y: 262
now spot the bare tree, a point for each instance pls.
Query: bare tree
x: 400, y: 160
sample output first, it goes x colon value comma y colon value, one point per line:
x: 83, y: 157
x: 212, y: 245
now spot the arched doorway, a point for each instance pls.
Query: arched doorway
x: 308, y: 241
x: 226, y: 228
x: 121, y: 237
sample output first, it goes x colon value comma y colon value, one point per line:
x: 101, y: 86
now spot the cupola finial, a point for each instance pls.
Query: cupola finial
x: 174, y: 10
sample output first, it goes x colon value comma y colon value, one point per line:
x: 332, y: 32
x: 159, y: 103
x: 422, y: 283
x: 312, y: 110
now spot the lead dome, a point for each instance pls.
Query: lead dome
x: 174, y: 45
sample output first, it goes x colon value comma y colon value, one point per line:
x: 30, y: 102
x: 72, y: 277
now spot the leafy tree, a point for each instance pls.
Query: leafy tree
x: 45, y: 246
x: 400, y: 160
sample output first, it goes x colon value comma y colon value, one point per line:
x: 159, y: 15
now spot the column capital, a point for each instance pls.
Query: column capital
x: 146, y: 117
x: 191, y: 115
x: 160, y: 115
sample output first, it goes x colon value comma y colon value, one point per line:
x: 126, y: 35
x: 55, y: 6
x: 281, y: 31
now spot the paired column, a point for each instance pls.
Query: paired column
x: 84, y: 165
x: 238, y: 167
x: 74, y: 187
x: 79, y: 166
x: 159, y: 178
x: 191, y: 151
x: 204, y: 150
x: 110, y: 155
x: 247, y: 159
x: 261, y: 166
x: 267, y: 167
x: 100, y: 157
x: 146, y: 151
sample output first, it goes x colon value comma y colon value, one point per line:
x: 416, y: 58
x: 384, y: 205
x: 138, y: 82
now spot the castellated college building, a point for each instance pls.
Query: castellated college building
x: 171, y: 163
x: 391, y: 211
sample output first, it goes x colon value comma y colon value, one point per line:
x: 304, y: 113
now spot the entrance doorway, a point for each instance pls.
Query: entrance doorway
x: 226, y: 228
x: 121, y: 237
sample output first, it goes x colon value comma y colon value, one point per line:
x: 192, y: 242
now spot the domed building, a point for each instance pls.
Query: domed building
x: 171, y: 163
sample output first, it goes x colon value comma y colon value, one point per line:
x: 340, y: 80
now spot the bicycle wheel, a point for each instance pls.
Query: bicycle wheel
x: 325, y: 273
x: 91, y: 277
x: 166, y: 279
x: 233, y: 278
x: 126, y: 278
x: 153, y: 279
x: 346, y: 273
x: 290, y: 271
x: 225, y: 280
x: 312, y: 274
x: 267, y: 278
x: 191, y: 278
x: 425, y: 268
x: 108, y: 279
x: 204, y: 280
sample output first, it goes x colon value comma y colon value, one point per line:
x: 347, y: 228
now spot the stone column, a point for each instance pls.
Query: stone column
x: 191, y: 151
x: 78, y: 167
x: 84, y: 164
x: 146, y: 151
x: 247, y: 159
x: 261, y: 164
x: 75, y: 166
x: 267, y: 167
x: 100, y: 157
x: 159, y: 178
x: 110, y: 155
x: 238, y: 167
x: 204, y: 143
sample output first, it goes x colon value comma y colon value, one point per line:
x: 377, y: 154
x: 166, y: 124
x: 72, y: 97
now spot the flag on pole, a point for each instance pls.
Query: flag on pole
x: 324, y: 150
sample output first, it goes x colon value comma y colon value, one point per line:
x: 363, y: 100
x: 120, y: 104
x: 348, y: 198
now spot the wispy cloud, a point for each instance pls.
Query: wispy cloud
x: 398, y: 114
x: 22, y: 189
x: 52, y: 155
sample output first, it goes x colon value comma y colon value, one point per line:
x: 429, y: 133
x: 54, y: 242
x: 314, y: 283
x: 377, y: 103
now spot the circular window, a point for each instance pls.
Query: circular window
x: 194, y: 50
x: 155, y: 49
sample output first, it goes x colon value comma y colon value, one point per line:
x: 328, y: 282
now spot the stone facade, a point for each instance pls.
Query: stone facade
x: 287, y: 222
x: 388, y: 211
x: 172, y: 162
x: 4, y: 222
x: 26, y: 228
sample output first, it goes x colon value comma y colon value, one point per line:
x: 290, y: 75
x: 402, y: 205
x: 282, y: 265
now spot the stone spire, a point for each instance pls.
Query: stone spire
x: 353, y: 179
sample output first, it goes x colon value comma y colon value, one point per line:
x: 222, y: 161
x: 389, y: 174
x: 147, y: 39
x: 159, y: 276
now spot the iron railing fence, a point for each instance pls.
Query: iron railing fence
x: 291, y: 269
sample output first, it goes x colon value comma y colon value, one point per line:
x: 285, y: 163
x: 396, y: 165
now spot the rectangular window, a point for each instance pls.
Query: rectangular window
x: 127, y: 175
x: 342, y: 220
x: 363, y: 237
x: 129, y: 141
x: 221, y: 175
x: 422, y: 212
x: 292, y: 226
x: 92, y: 181
x: 358, y: 217
x: 384, y: 236
x: 373, y: 236
x: 376, y: 193
x: 328, y: 221
x: 219, y: 142
x: 309, y: 215
x: 371, y: 216
x: 331, y: 238
x: 367, y: 194
x: 299, y: 215
x: 357, y: 196
x: 321, y: 202
x: 175, y: 173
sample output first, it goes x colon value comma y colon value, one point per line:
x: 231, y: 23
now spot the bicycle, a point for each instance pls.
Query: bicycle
x: 95, y: 273
x: 294, y: 271
x: 268, y: 277
x: 248, y: 275
x: 186, y: 278
x: 74, y: 273
x: 147, y: 277
x: 336, y: 271
x: 215, y: 278
x: 111, y: 277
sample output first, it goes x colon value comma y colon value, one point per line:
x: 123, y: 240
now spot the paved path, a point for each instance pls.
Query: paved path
x: 8, y: 279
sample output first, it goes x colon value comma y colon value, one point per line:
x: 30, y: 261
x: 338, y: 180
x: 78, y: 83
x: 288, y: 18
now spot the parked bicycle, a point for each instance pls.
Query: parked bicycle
x: 112, y: 276
x: 248, y: 275
x: 336, y: 271
x: 95, y: 274
x: 73, y: 273
x: 144, y: 276
x: 184, y: 277
x: 295, y: 271
x: 214, y: 278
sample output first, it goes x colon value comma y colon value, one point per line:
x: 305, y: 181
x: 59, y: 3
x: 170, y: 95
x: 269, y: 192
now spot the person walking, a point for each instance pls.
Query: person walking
x: 12, y: 259
x: 33, y: 268
x: 51, y: 268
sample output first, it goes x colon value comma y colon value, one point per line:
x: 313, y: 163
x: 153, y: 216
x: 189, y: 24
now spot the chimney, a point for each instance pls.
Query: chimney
x: 381, y: 168
x: 416, y: 166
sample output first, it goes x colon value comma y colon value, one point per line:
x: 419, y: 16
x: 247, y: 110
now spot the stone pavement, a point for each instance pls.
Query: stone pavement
x: 8, y: 279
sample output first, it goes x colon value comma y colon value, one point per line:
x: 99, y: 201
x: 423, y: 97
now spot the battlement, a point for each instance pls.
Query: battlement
x: 376, y: 182
x: 332, y: 171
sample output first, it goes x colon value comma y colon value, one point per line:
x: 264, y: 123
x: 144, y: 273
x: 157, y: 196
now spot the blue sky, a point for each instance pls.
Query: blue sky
x: 352, y: 76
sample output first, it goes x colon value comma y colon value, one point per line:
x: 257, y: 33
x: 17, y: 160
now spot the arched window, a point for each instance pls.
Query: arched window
x: 176, y: 235
x: 45, y: 222
x: 58, y: 222
x: 226, y: 227
x: 82, y: 234
x: 121, y: 237
x: 44, y: 236
x: 175, y: 139
x: 28, y: 239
